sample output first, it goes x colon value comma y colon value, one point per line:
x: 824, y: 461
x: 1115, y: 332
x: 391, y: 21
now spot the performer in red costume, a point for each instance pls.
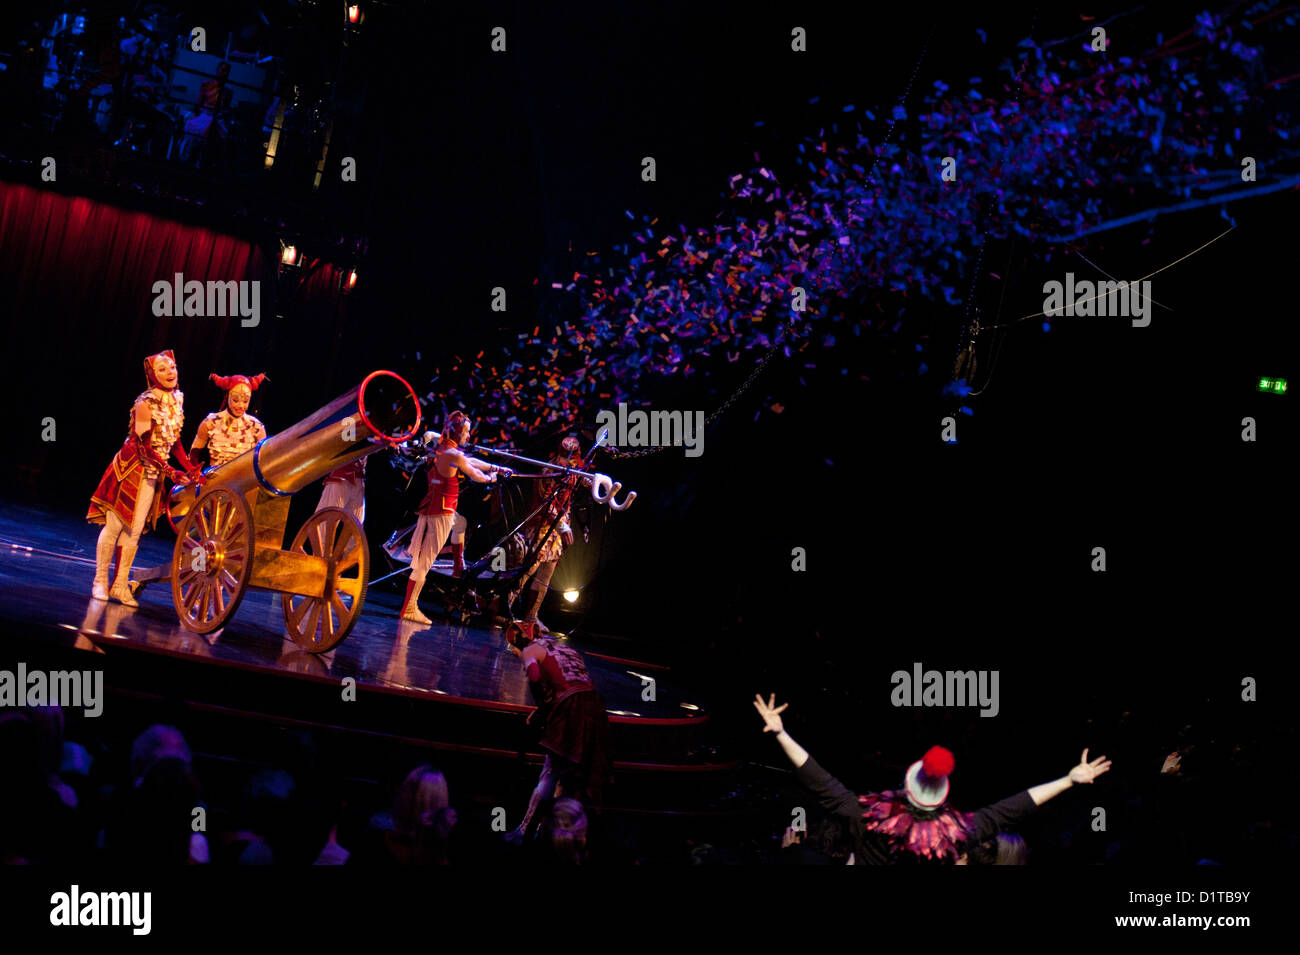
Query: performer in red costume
x: 438, y: 509
x: 571, y: 717
x: 229, y: 432
x: 345, y: 487
x: 130, y: 494
x: 916, y: 823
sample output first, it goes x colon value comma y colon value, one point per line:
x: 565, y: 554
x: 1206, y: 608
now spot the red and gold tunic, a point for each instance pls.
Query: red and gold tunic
x: 444, y: 493
x: 120, y: 484
x: 354, y: 473
x: 229, y: 437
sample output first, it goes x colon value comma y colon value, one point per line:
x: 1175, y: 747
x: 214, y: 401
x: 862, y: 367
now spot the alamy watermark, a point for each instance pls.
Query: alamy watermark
x: 66, y: 688
x: 654, y: 429
x: 74, y: 908
x: 1099, y: 299
x: 194, y: 299
x: 946, y: 688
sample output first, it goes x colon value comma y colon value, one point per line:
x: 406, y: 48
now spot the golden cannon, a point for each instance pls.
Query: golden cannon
x: 230, y: 528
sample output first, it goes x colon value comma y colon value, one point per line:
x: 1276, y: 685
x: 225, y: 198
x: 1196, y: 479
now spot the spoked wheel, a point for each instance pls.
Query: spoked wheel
x: 212, y: 560
x: 320, y: 623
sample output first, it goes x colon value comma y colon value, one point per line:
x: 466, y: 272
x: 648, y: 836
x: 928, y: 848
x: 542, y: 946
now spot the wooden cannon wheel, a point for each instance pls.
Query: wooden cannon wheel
x: 320, y: 623
x: 212, y: 560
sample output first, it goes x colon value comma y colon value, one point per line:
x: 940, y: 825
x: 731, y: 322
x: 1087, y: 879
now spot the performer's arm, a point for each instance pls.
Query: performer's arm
x: 771, y: 714
x: 191, y: 469
x: 831, y: 793
x: 466, y: 465
x: 532, y: 657
x: 489, y: 468
x: 1084, y: 773
x: 143, y: 418
x: 143, y: 428
x: 201, y: 441
x: 991, y: 820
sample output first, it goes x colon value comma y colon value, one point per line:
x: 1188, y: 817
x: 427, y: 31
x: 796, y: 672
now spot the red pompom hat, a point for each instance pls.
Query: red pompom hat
x: 927, y: 778
x: 226, y: 382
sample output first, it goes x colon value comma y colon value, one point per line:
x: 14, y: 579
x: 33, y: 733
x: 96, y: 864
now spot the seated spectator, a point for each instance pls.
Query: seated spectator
x: 422, y: 820
x: 152, y: 825
x: 269, y: 819
x: 1005, y: 848
x: 153, y: 819
x: 567, y: 829
x: 39, y: 822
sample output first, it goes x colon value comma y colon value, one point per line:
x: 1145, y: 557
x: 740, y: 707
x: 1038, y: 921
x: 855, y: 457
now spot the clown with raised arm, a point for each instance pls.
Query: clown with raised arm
x: 916, y: 823
x: 130, y: 494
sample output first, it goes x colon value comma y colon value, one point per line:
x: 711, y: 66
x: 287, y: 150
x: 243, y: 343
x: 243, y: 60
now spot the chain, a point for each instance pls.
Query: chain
x: 758, y: 369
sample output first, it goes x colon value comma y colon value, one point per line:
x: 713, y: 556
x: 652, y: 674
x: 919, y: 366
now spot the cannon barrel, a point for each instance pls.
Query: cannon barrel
x: 381, y: 411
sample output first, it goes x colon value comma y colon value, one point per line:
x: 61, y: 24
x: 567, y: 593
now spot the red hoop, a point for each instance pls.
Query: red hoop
x: 365, y: 419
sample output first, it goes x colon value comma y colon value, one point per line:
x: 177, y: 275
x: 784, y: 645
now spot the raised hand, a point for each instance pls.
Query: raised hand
x: 1086, y: 771
x: 770, y: 712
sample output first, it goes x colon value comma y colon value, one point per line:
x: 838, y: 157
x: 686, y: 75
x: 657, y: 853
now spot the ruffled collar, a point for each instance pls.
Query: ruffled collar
x: 928, y: 834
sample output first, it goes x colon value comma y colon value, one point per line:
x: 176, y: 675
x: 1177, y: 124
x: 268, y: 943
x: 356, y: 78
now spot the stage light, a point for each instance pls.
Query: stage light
x: 1275, y: 385
x: 349, y: 280
x: 571, y: 596
x: 354, y: 13
x: 288, y: 254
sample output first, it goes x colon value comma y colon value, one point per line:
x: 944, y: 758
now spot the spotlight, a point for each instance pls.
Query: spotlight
x: 348, y: 280
x: 354, y: 14
x: 571, y: 596
x: 288, y: 254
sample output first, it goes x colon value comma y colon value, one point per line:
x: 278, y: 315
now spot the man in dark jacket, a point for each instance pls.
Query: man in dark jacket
x: 915, y: 824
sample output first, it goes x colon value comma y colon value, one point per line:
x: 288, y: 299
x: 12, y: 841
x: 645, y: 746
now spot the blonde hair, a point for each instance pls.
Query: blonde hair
x: 422, y: 795
x: 568, y: 826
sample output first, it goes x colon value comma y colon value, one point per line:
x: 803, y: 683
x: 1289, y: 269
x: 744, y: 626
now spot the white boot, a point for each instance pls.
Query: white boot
x: 121, y: 591
x: 411, y: 609
x: 103, y: 557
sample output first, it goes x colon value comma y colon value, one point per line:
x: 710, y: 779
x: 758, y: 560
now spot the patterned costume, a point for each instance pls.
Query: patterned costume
x: 936, y: 835
x: 231, y: 431
x: 120, y: 486
x: 230, y: 436
x: 552, y: 549
x: 130, y: 494
x: 574, y: 724
x: 575, y: 727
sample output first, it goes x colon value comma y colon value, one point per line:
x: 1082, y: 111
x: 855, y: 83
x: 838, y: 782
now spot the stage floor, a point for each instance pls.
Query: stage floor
x: 46, y: 566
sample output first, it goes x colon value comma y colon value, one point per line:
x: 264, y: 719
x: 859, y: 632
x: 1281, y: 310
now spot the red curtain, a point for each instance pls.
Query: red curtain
x: 90, y: 267
x: 76, y: 300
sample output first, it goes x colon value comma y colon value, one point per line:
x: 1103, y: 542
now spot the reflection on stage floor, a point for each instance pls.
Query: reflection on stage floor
x: 46, y: 566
